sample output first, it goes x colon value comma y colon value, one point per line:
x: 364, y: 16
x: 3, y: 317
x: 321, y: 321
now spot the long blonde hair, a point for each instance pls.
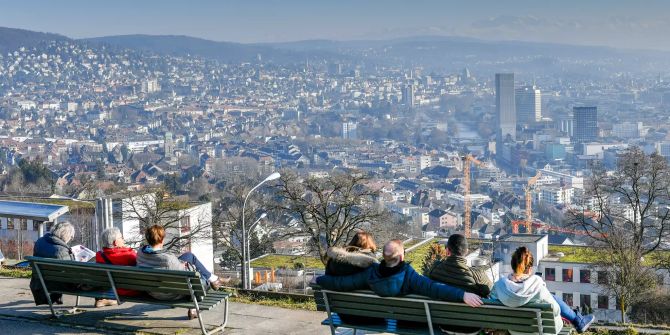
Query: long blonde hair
x: 363, y: 240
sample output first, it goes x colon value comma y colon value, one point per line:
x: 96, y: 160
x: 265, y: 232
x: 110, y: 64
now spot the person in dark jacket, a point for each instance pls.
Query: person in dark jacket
x: 354, y: 258
x: 52, y: 245
x: 393, y: 277
x: 455, y: 271
x: 357, y: 257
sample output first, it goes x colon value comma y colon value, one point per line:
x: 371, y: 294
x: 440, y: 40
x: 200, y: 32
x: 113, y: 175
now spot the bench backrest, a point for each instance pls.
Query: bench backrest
x: 536, y: 318
x: 124, y: 277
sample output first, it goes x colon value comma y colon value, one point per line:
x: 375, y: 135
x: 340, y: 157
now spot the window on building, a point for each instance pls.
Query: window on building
x: 602, y: 277
x: 549, y: 274
x: 661, y: 279
x: 585, y: 301
x: 603, y: 302
x: 567, y: 297
x: 10, y: 224
x: 23, y: 224
x: 186, y: 224
x: 584, y: 276
x: 36, y: 225
x: 567, y: 275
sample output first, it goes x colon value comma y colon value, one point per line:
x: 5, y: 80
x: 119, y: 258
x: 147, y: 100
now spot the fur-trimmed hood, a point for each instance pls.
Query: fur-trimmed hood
x: 357, y: 257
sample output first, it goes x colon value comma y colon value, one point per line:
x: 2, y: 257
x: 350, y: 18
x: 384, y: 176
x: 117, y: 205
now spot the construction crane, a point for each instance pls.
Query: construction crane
x: 528, y: 223
x: 467, y: 206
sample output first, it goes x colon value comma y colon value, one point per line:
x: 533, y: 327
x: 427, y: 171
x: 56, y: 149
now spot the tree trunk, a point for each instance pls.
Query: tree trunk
x: 623, y: 311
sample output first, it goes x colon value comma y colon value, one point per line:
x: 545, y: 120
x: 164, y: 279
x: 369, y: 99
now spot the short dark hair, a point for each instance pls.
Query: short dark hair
x: 457, y: 244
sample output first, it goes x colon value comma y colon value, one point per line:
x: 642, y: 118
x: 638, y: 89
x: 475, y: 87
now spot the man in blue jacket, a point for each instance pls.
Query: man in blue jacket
x: 393, y: 277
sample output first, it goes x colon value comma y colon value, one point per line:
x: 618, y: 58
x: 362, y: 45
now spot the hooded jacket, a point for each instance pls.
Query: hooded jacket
x: 402, y: 281
x: 455, y: 271
x: 348, y: 261
x: 531, y: 290
x: 49, y: 246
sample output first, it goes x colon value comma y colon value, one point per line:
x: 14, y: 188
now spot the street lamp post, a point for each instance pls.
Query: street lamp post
x: 245, y: 269
x: 248, y: 246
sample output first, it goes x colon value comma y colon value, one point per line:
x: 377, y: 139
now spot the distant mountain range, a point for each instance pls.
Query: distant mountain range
x: 430, y: 51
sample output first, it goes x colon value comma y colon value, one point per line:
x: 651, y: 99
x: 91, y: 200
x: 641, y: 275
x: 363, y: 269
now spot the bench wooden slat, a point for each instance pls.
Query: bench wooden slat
x: 73, y: 264
x: 411, y: 308
x: 145, y: 287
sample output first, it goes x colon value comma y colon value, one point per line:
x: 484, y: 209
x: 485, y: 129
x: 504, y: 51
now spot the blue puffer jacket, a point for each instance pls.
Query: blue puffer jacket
x: 406, y: 281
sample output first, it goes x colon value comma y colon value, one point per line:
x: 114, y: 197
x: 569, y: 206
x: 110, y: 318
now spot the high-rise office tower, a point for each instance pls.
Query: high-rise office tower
x: 585, y: 128
x: 349, y: 130
x: 408, y: 95
x: 528, y: 104
x: 505, y: 106
x: 168, y: 144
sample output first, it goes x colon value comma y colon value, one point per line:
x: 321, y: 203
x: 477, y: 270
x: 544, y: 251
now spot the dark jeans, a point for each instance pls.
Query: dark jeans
x: 566, y: 311
x: 190, y: 258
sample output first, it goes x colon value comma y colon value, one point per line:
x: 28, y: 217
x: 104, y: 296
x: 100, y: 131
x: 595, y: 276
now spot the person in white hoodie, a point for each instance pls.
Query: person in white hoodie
x: 523, y: 287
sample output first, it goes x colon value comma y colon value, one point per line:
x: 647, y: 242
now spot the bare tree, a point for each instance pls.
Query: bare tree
x: 157, y: 207
x: 330, y: 209
x: 626, y: 213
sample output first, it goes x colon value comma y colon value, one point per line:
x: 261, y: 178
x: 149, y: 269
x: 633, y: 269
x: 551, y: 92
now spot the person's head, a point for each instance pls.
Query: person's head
x: 522, y: 261
x: 155, y: 235
x: 363, y: 240
x: 64, y: 231
x: 394, y: 253
x: 457, y: 245
x: 112, y: 238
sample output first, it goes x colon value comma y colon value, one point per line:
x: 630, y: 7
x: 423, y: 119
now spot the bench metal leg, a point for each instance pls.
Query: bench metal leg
x: 429, y: 318
x: 330, y: 315
x: 225, y: 319
x: 46, y: 292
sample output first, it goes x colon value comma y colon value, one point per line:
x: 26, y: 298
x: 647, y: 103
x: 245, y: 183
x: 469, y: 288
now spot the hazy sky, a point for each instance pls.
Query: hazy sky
x: 626, y: 24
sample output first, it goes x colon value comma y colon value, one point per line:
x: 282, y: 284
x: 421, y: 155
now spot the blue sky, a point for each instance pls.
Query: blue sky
x: 626, y: 24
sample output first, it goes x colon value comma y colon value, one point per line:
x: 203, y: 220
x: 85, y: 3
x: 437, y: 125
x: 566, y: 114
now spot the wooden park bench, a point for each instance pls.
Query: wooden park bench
x: 103, y: 281
x: 414, y: 314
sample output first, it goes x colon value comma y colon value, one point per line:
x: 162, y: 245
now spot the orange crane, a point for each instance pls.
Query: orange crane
x: 528, y: 223
x: 467, y: 206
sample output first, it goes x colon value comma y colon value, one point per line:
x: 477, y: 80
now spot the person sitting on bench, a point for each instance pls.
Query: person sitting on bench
x: 455, y: 271
x: 394, y: 277
x: 152, y: 255
x: 523, y: 287
x: 115, y: 252
x: 52, y: 245
x: 356, y: 257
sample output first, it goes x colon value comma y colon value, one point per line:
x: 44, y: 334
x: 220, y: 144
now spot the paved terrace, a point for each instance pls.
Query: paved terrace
x: 19, y: 315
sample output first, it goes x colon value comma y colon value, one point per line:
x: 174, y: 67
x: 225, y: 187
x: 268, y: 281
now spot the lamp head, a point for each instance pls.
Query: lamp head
x: 263, y: 216
x: 273, y: 176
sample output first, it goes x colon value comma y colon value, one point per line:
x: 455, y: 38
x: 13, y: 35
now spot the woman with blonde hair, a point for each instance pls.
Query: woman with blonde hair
x: 357, y: 256
x: 523, y: 287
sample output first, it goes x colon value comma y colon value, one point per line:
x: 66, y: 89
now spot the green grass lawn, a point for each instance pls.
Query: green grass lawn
x: 15, y: 273
x: 580, y: 254
x: 288, y: 261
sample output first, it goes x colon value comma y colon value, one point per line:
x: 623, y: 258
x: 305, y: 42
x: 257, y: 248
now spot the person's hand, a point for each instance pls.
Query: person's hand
x: 472, y: 299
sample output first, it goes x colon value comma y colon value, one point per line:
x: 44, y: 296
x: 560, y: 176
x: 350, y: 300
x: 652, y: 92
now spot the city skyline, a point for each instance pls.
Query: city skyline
x: 609, y: 23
